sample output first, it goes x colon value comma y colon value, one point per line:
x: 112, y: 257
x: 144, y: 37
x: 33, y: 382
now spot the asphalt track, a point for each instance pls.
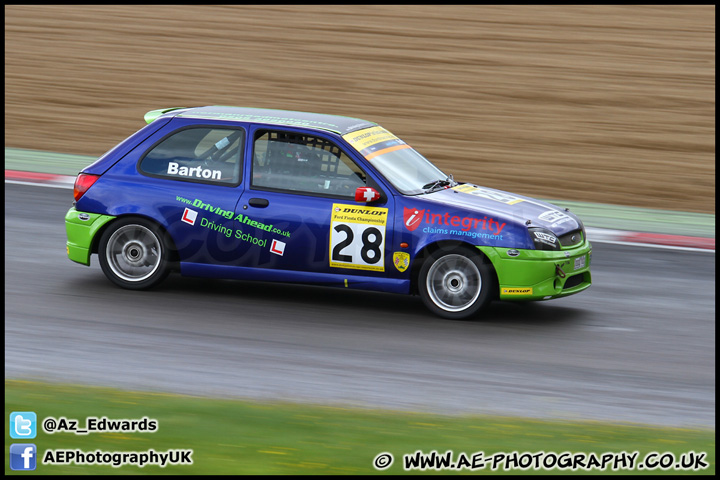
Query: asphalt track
x: 638, y: 346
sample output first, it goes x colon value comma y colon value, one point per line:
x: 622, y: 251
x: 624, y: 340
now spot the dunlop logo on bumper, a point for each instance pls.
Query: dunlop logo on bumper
x: 517, y: 291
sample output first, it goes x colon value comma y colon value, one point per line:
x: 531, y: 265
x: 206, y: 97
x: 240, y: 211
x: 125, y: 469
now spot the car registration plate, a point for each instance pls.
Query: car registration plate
x: 580, y: 262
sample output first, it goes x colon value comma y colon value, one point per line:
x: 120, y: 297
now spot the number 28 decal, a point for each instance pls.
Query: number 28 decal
x: 357, y: 237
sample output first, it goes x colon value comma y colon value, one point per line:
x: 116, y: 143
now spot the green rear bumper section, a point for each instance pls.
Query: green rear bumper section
x: 541, y: 274
x: 81, y: 228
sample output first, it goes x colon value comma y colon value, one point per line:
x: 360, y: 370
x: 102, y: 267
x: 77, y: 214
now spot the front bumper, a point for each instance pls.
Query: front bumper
x: 81, y: 228
x: 541, y: 274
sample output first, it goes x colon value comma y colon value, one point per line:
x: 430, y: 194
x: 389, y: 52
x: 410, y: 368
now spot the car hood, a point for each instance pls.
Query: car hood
x: 515, y: 208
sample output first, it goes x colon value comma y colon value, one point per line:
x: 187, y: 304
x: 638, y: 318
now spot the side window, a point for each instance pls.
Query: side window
x: 303, y: 163
x: 207, y: 155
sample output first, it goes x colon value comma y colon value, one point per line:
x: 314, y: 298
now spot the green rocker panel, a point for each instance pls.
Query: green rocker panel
x: 540, y: 274
x: 81, y: 228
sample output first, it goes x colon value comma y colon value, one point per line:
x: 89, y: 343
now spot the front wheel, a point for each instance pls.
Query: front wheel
x: 133, y: 254
x: 455, y: 284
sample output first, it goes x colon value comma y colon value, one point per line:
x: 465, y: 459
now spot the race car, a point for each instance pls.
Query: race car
x: 284, y: 196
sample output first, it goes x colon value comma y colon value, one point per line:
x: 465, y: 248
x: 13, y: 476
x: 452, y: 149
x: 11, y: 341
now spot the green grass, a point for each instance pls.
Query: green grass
x: 242, y: 437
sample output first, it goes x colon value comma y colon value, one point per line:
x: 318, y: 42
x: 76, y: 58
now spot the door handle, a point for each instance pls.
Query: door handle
x: 258, y: 202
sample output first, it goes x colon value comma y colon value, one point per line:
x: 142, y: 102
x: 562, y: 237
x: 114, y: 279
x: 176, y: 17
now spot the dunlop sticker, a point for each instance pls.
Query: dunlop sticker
x: 517, y: 291
x: 368, y: 137
x: 357, y: 237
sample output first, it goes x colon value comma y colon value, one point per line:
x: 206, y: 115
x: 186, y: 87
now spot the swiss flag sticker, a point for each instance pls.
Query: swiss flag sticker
x: 189, y: 216
x: 366, y: 194
x: 277, y: 247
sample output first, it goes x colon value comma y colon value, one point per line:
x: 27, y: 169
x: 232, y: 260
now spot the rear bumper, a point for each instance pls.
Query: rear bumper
x: 539, y: 274
x: 81, y: 228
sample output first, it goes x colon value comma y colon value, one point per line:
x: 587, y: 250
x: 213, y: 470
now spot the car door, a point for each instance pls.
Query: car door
x: 299, y: 211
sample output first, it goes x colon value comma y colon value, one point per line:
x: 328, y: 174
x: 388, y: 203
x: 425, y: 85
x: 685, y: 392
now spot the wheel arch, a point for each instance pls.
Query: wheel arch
x: 173, y: 253
x: 433, y: 247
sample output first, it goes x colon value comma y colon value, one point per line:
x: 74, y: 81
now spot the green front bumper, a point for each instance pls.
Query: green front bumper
x: 81, y: 228
x: 540, y: 274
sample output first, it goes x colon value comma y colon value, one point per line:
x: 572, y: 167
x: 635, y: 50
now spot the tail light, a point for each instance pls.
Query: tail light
x: 82, y: 183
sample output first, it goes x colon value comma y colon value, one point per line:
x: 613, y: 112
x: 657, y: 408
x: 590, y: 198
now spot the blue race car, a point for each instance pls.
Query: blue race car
x: 274, y: 195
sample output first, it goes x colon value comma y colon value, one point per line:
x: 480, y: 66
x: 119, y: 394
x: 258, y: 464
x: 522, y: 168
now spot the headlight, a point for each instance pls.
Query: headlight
x: 544, y: 239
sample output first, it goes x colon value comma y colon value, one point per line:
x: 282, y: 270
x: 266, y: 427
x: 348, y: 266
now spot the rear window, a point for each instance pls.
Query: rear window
x: 199, y: 154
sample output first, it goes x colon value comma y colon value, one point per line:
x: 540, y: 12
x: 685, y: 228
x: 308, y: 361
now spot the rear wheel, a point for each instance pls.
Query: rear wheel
x: 133, y: 254
x: 455, y: 284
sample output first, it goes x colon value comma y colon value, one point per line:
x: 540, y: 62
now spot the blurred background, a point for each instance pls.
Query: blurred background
x: 609, y: 104
x: 605, y: 104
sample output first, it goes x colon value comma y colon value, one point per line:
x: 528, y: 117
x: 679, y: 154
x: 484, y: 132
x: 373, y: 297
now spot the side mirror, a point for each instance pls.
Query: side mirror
x: 366, y: 194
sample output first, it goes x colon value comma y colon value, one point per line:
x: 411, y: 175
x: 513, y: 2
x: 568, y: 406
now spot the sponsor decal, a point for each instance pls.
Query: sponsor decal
x: 366, y: 194
x: 197, y: 172
x: 517, y: 291
x: 357, y: 237
x: 545, y: 238
x: 401, y: 260
x: 413, y: 217
x: 555, y: 217
x: 353, y: 213
x: 229, y: 232
x: 216, y: 210
x: 246, y: 237
x: 189, y: 216
x: 230, y: 214
x: 277, y: 247
x: 244, y: 219
x: 200, y: 205
x: 374, y: 141
x: 488, y: 193
x: 368, y: 137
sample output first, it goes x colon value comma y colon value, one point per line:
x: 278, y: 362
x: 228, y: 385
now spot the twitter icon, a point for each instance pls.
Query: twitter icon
x: 23, y: 425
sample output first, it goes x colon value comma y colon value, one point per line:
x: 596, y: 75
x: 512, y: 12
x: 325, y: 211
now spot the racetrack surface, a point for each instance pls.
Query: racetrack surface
x: 638, y: 346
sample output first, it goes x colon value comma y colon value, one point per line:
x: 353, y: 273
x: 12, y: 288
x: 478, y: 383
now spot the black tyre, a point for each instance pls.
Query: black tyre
x: 133, y: 254
x: 455, y: 283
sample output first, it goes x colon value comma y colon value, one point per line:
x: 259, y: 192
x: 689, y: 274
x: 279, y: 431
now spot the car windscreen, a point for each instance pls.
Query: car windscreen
x: 407, y: 170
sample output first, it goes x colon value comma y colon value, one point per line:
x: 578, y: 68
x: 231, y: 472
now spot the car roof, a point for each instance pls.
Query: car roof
x: 333, y: 123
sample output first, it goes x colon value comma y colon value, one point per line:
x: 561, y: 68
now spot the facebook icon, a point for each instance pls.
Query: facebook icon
x: 23, y: 456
